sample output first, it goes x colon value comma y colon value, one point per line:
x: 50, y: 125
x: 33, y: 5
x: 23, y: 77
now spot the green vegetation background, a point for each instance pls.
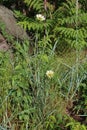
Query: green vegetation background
x: 31, y: 99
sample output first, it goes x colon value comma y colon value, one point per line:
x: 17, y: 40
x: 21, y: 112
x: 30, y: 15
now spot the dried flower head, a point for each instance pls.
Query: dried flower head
x: 40, y: 17
x: 50, y: 74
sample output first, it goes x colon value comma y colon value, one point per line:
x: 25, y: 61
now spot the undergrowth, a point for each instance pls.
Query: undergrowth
x: 31, y: 99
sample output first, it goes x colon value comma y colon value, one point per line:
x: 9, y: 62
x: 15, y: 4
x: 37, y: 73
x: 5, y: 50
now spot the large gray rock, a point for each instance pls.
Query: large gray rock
x: 12, y: 28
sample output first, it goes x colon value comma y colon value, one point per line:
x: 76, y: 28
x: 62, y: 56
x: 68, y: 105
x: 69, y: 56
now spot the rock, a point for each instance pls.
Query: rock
x: 5, y: 47
x: 12, y: 28
x: 3, y: 44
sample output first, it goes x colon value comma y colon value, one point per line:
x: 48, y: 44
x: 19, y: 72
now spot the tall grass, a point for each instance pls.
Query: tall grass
x: 29, y: 98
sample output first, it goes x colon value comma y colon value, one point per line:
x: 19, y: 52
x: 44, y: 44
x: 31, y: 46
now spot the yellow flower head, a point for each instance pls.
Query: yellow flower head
x: 50, y: 74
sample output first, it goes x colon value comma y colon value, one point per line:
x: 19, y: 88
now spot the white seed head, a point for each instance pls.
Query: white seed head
x: 50, y: 74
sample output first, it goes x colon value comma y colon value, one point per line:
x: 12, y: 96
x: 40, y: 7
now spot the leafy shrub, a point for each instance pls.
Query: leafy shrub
x: 73, y: 125
x: 68, y: 27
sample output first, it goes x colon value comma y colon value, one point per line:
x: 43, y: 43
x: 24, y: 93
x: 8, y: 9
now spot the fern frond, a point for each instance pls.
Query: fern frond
x: 32, y: 23
x: 81, y: 43
x: 35, y: 25
x: 72, y: 19
x: 19, y: 15
x: 69, y: 34
x: 65, y: 32
x: 35, y: 4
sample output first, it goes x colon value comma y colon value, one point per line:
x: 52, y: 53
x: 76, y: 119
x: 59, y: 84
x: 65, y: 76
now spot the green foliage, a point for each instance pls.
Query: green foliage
x: 30, y: 98
x: 60, y: 23
x: 68, y: 28
x: 32, y: 23
x: 75, y: 125
x: 37, y: 5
